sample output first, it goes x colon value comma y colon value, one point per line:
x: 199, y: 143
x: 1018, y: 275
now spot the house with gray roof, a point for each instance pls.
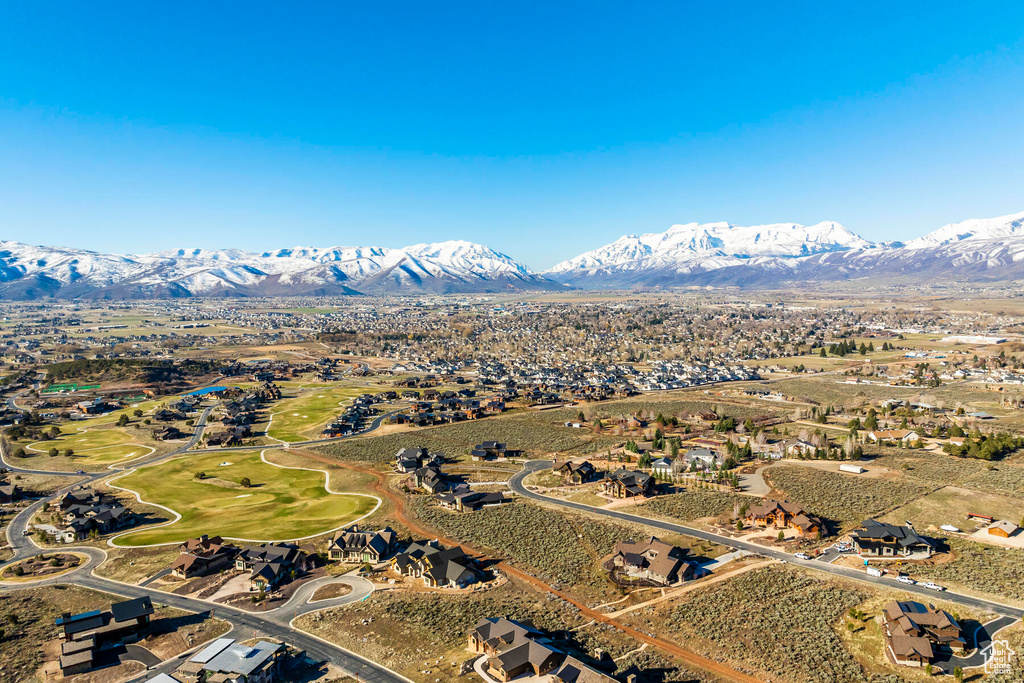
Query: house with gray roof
x: 881, y: 540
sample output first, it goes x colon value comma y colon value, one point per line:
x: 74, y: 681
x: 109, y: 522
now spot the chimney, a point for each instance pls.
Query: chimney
x: 631, y: 678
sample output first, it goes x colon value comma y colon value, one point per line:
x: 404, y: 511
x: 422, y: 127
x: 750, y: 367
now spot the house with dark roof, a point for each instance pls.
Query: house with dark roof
x: 201, y: 556
x: 628, y: 484
x: 914, y: 633
x: 653, y: 560
x: 439, y: 567
x: 464, y: 499
x: 270, y: 564
x: 881, y: 540
x: 86, y: 634
x: 493, y: 450
x: 431, y: 479
x: 355, y: 545
x: 573, y: 670
x: 576, y: 472
x: 513, y: 648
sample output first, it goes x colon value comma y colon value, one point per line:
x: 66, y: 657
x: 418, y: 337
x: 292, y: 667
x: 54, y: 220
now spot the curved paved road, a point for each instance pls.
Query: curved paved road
x: 516, y: 484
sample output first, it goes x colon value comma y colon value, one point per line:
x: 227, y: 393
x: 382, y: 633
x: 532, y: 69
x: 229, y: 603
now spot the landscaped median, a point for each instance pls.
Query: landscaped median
x: 242, y: 495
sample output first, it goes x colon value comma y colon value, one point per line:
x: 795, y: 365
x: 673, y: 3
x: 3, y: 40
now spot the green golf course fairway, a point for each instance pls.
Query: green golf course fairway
x: 303, y: 418
x: 281, y: 503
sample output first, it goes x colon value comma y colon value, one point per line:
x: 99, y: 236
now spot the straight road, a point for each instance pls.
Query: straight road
x: 516, y: 484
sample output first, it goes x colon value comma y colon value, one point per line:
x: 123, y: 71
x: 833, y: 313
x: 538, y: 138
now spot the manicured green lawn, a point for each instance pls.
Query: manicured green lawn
x: 97, y: 446
x: 304, y: 417
x: 281, y: 503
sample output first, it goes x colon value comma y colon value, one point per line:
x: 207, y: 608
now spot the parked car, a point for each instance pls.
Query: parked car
x: 933, y: 586
x: 906, y: 579
x: 802, y: 556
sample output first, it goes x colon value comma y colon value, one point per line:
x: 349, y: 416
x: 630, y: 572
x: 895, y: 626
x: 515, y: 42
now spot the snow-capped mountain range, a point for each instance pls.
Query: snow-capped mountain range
x: 770, y: 255
x: 692, y: 254
x: 454, y: 266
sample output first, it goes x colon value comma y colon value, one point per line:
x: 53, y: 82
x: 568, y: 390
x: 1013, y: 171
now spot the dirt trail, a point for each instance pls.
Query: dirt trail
x: 398, y: 501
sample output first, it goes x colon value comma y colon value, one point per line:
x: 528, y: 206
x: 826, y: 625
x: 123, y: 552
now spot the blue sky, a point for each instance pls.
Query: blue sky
x: 541, y: 130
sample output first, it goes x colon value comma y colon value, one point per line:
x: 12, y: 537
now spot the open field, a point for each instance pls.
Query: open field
x: 279, y: 504
x: 843, y: 498
x: 541, y: 433
x: 561, y: 547
x: 951, y: 505
x: 691, y: 505
x: 423, y: 635
x: 776, y: 623
x: 978, y: 567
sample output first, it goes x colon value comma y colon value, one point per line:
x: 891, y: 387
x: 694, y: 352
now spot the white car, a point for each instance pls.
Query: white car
x: 933, y: 586
x: 802, y: 556
x: 906, y: 579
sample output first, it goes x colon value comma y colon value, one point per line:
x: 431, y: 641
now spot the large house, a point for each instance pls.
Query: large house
x: 86, y: 511
x: 513, y: 648
x: 913, y: 632
x: 431, y: 479
x: 653, y: 560
x: 877, y: 539
x: 628, y: 484
x: 201, y: 556
x: 894, y: 435
x: 231, y: 662
x: 703, y: 458
x: 783, y: 515
x: 85, y: 634
x: 355, y: 545
x: 464, y: 499
x: 270, y: 564
x: 439, y: 567
x: 408, y: 460
x: 493, y: 450
x: 576, y: 472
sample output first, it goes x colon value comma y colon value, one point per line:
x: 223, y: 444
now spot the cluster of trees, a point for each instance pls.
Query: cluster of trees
x: 846, y: 347
x: 984, y: 447
x: 141, y: 369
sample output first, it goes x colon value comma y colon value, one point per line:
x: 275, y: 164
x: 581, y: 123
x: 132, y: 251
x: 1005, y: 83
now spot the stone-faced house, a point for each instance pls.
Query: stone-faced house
x: 784, y: 515
x: 439, y: 567
x: 85, y: 634
x: 576, y: 472
x: 270, y: 564
x: 354, y: 545
x: 513, y: 648
x: 202, y: 555
x: 628, y: 484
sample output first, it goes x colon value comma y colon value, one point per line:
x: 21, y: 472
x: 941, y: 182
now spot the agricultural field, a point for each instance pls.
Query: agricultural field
x: 691, y: 505
x: 775, y: 623
x: 423, y: 635
x: 31, y: 641
x: 561, y: 547
x: 278, y: 504
x: 843, y: 498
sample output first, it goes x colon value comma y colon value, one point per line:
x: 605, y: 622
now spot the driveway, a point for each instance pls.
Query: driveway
x: 137, y: 653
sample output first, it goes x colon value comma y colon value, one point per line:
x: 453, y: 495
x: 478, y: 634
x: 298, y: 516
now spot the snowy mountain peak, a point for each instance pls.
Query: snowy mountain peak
x: 683, y: 243
x: 974, y: 229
